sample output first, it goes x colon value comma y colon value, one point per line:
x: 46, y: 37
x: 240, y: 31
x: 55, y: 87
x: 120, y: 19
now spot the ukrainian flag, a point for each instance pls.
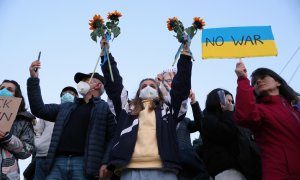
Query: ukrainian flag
x: 238, y: 42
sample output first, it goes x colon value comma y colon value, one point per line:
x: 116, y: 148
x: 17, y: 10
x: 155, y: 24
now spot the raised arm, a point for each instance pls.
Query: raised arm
x: 195, y: 125
x: 114, y: 89
x: 247, y: 112
x: 198, y: 118
x: 37, y: 106
x: 181, y: 84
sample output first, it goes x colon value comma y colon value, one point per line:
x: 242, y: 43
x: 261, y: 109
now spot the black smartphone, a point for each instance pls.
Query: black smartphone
x: 222, y: 97
x: 38, y: 60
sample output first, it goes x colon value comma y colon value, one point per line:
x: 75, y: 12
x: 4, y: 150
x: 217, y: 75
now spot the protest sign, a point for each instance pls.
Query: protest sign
x: 8, y: 111
x: 238, y: 42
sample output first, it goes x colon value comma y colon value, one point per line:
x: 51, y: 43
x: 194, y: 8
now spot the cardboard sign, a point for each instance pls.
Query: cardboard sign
x: 238, y: 42
x: 8, y: 111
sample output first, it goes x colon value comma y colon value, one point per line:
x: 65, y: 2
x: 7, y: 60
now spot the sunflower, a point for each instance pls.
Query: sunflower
x: 114, y: 16
x: 198, y: 23
x: 97, y: 22
x: 171, y: 23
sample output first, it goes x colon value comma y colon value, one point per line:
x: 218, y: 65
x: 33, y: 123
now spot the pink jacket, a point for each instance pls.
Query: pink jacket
x: 276, y: 127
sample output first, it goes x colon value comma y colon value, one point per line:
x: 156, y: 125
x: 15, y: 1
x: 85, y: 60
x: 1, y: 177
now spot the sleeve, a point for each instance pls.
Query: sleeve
x: 114, y: 89
x: 38, y: 108
x: 247, y: 112
x: 195, y: 125
x: 111, y: 125
x: 220, y: 129
x: 21, y: 147
x: 181, y: 86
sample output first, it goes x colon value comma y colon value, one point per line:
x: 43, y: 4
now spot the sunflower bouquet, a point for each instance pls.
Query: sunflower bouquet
x: 99, y: 30
x: 108, y: 29
x: 184, y: 35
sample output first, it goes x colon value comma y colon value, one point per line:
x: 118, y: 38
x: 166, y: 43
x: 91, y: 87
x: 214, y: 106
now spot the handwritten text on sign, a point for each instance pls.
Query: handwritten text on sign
x: 8, y: 110
x: 236, y: 42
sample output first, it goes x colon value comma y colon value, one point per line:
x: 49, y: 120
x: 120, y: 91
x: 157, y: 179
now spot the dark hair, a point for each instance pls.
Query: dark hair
x: 68, y: 88
x: 18, y: 93
x: 284, y: 89
x: 137, y: 103
x: 212, y: 104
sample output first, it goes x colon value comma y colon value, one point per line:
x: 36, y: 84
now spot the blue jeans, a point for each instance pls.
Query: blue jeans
x: 147, y: 174
x: 67, y: 167
x: 40, y: 173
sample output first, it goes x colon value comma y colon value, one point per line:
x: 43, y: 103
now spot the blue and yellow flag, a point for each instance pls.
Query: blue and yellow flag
x: 238, y: 42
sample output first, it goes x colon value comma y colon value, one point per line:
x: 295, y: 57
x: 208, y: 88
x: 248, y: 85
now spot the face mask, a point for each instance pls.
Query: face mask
x: 83, y: 88
x: 67, y: 97
x: 5, y: 92
x: 148, y: 93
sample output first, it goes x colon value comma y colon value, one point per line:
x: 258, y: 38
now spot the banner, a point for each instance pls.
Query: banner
x: 8, y: 111
x: 238, y: 42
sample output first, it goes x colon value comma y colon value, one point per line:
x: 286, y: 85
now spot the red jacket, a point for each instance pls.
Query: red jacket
x: 276, y: 127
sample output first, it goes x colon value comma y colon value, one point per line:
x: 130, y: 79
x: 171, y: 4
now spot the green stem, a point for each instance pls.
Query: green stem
x: 95, y: 68
x: 108, y: 61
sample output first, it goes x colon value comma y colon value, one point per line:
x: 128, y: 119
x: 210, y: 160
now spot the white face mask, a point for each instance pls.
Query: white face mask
x: 83, y: 88
x: 148, y: 93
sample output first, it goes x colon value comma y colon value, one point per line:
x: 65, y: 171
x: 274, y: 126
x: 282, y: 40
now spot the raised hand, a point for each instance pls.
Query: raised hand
x: 33, y: 69
x: 240, y: 69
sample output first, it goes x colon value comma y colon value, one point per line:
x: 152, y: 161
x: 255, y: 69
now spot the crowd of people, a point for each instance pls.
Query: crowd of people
x: 252, y: 136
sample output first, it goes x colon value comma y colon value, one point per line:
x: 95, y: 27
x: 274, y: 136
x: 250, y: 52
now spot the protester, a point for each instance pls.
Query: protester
x: 265, y: 107
x: 82, y: 132
x: 18, y: 142
x: 68, y: 94
x: 220, y: 142
x: 44, y: 133
x: 165, y: 79
x: 145, y: 146
x: 192, y: 164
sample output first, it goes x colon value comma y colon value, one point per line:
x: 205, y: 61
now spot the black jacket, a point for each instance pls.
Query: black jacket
x: 220, y: 142
x: 166, y: 117
x: 100, y: 130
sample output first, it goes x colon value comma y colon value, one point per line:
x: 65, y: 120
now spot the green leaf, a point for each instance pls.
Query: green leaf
x: 179, y: 36
x: 109, y: 25
x: 191, y: 31
x: 116, y: 31
x: 99, y: 32
x: 94, y: 36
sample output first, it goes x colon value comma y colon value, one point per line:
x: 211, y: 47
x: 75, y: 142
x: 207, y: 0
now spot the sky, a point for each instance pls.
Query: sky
x: 145, y: 47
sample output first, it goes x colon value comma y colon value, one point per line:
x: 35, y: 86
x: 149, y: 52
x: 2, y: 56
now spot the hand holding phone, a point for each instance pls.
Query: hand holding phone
x: 38, y: 60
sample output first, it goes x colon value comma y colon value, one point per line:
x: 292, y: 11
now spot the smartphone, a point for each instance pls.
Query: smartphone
x: 222, y: 97
x: 38, y: 60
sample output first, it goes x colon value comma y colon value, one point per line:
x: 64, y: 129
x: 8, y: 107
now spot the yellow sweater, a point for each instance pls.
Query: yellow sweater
x: 145, y: 153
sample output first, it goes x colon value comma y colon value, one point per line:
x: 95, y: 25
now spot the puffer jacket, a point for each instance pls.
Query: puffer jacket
x: 17, y: 144
x: 100, y: 130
